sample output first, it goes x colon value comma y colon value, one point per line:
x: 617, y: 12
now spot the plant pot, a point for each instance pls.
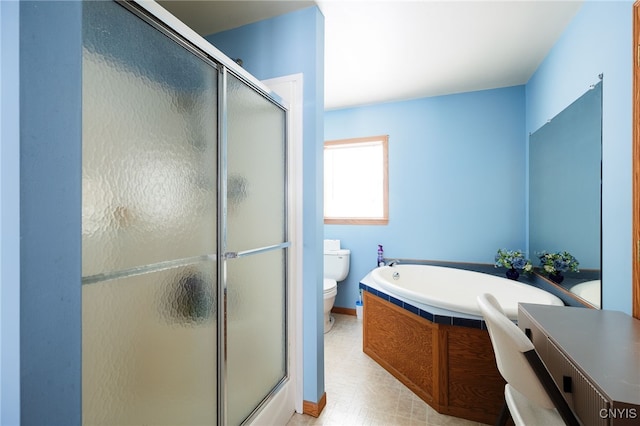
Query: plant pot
x: 513, y: 274
x: 556, y: 277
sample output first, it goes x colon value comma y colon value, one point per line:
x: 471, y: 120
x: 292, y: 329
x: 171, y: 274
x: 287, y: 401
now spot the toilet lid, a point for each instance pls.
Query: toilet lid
x: 329, y: 284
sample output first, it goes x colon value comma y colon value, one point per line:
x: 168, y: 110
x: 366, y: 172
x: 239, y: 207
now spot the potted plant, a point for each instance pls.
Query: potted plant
x: 554, y: 264
x: 513, y: 260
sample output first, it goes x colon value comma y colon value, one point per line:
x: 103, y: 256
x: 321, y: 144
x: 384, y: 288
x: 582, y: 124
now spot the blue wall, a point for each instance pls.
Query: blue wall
x: 456, y: 179
x: 9, y: 213
x: 290, y: 44
x: 50, y: 213
x: 598, y: 40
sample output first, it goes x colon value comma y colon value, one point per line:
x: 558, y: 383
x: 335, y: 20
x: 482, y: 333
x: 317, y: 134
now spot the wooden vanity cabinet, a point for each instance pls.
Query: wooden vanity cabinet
x: 593, y: 357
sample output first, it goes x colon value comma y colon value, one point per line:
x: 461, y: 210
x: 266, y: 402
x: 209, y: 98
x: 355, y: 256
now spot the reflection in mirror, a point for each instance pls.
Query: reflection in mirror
x: 565, y: 191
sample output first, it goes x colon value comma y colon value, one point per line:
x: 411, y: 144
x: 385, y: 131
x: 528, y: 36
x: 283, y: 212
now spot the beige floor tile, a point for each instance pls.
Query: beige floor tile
x: 361, y: 393
x: 404, y: 407
x: 299, y: 420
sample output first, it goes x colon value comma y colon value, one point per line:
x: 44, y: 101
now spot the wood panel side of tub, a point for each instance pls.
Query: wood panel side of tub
x: 475, y: 386
x: 402, y: 344
x: 451, y: 368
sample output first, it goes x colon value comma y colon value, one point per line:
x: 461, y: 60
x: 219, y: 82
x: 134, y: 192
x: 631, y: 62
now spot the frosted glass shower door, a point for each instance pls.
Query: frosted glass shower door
x: 256, y: 234
x: 149, y: 225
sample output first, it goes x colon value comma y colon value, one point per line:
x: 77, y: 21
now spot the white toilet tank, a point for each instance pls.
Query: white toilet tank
x: 336, y: 260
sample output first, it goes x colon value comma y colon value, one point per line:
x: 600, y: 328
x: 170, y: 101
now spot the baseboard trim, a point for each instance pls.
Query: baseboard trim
x: 345, y: 311
x: 313, y: 409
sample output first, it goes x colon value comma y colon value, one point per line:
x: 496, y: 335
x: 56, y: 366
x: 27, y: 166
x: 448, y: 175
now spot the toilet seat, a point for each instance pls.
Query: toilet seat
x: 330, y: 287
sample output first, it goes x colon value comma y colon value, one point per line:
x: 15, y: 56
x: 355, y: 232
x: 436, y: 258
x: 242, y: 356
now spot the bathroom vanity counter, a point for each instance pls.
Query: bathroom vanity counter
x: 594, y: 358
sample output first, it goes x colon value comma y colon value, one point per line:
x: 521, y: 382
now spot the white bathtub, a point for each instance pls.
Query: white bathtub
x: 456, y: 290
x: 589, y: 291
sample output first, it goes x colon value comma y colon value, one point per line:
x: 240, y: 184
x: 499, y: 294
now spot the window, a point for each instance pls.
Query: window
x: 356, y: 183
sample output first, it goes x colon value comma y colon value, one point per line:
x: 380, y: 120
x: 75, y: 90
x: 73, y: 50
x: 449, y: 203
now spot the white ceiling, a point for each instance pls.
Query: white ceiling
x: 388, y: 50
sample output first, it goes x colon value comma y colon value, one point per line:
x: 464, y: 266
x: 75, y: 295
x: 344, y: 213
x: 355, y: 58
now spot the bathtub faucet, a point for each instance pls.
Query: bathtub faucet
x: 393, y: 262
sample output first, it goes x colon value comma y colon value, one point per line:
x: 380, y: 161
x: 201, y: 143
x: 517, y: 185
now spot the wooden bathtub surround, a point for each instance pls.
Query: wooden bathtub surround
x: 451, y: 368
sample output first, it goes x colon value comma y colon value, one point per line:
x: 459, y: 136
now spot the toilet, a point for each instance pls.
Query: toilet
x: 336, y: 268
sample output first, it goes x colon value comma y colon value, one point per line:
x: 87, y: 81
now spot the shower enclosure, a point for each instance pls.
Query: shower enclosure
x: 184, y: 229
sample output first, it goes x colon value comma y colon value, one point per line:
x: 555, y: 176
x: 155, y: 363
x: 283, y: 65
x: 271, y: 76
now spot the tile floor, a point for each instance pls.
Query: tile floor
x: 360, y: 392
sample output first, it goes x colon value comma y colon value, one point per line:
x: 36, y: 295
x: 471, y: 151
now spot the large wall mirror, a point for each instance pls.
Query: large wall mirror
x: 565, y: 169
